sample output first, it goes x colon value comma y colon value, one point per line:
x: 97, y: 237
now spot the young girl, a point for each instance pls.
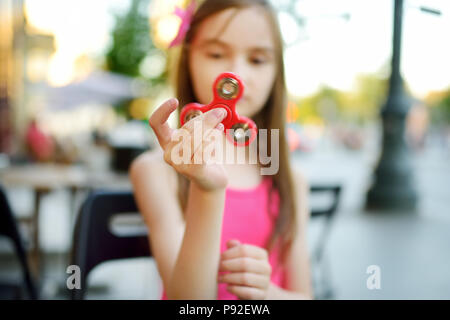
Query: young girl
x: 224, y: 230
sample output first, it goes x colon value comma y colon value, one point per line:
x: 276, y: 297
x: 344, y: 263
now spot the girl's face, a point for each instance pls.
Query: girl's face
x: 245, y: 47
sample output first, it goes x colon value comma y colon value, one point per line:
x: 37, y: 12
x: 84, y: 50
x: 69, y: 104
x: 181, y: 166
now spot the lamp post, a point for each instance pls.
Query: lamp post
x: 393, y: 186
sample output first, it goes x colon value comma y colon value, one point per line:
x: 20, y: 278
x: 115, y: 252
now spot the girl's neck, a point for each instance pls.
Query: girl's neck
x: 243, y: 176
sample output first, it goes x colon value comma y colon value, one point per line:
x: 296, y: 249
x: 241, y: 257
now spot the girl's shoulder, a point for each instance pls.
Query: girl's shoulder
x: 152, y: 166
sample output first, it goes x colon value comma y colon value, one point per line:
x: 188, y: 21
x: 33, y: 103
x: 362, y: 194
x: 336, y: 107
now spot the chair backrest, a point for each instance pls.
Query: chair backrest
x: 328, y: 213
x: 94, y: 242
x: 335, y: 191
x: 8, y: 228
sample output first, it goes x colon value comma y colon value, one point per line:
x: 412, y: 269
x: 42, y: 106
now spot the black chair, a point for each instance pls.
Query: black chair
x: 324, y: 283
x: 94, y: 242
x: 8, y: 228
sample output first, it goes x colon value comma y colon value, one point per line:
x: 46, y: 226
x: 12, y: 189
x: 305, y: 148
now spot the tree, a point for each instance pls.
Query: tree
x: 131, y: 41
x: 131, y: 46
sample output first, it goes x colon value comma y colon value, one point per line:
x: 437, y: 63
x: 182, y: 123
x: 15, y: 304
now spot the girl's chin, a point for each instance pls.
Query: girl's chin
x: 244, y: 109
x: 246, y: 112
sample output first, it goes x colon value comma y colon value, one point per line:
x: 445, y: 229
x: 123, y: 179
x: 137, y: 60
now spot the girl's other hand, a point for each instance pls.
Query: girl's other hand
x: 249, y: 270
x: 207, y: 176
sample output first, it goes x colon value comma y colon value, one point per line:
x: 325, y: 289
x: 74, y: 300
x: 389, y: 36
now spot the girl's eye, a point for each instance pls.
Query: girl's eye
x: 215, y: 55
x: 257, y: 61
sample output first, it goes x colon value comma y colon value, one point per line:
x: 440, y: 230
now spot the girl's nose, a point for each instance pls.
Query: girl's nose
x: 240, y: 67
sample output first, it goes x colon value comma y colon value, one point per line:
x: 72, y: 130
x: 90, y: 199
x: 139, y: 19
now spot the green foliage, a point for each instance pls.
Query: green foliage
x: 131, y: 46
x: 365, y: 102
x: 445, y: 106
x: 131, y: 40
x: 441, y: 109
x: 358, y: 106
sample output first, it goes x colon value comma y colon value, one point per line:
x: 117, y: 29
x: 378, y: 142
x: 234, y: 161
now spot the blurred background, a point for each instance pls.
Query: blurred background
x: 79, y: 79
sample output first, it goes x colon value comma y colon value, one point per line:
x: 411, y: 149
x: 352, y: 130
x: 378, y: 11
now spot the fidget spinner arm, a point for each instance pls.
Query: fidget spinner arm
x: 227, y: 89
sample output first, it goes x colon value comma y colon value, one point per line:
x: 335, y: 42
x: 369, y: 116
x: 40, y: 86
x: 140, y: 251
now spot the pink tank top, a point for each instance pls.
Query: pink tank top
x: 249, y: 216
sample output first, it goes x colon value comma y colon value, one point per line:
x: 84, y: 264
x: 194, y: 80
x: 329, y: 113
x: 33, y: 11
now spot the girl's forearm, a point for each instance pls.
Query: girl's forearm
x: 195, y: 272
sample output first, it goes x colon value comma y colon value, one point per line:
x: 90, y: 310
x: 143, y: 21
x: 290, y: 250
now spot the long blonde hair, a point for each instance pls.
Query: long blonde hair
x: 271, y: 116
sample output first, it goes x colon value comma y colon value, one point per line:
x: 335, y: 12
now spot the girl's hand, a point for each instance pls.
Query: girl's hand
x: 207, y: 176
x: 249, y: 268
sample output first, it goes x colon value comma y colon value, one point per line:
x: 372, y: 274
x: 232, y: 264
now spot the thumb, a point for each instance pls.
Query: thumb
x: 233, y: 243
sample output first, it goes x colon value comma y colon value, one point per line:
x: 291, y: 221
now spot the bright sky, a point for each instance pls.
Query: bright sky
x: 338, y: 49
x: 334, y: 53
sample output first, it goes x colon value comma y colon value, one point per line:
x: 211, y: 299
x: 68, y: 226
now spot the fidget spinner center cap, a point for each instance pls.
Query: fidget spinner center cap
x: 228, y: 88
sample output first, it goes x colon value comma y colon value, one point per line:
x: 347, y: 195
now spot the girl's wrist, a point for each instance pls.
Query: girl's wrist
x: 207, y: 192
x: 270, y: 291
x: 211, y: 191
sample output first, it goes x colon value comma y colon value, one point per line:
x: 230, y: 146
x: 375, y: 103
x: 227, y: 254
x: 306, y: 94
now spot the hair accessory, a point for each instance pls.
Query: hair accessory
x: 186, y: 19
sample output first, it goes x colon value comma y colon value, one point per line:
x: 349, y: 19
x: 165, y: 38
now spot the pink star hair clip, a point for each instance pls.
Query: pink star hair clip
x: 186, y: 19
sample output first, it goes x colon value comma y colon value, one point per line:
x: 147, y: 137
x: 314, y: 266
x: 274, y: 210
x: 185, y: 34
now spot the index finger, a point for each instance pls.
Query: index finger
x: 210, y: 119
x: 158, y: 121
x: 245, y: 250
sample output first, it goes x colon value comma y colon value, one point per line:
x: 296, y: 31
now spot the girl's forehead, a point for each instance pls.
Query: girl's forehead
x: 237, y: 28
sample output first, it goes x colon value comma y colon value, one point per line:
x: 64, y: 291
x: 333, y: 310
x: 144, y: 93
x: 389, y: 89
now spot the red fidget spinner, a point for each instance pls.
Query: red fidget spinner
x: 227, y: 89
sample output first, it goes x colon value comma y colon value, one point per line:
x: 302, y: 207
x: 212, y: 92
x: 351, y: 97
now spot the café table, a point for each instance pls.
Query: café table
x: 43, y: 178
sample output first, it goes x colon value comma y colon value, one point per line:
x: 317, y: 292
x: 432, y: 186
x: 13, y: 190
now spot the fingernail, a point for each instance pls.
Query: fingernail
x: 219, y: 113
x: 172, y: 101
